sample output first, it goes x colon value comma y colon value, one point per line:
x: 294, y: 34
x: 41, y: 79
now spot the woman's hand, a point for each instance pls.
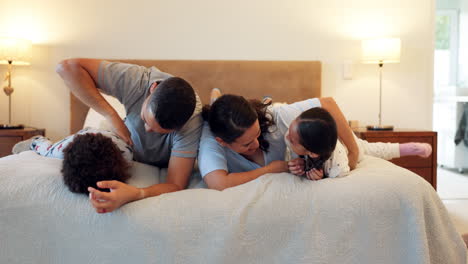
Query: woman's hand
x: 314, y: 174
x: 296, y: 166
x: 353, y: 159
x: 120, y: 194
x: 277, y: 166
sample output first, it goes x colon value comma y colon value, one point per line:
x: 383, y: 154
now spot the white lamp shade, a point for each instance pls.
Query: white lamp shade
x: 16, y: 50
x: 384, y: 50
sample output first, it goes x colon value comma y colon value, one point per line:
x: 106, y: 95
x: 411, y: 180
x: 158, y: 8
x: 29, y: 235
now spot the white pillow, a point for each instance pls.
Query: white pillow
x: 144, y: 175
x: 96, y: 120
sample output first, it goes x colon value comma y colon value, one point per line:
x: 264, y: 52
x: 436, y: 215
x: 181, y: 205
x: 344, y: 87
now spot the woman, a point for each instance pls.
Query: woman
x: 243, y: 140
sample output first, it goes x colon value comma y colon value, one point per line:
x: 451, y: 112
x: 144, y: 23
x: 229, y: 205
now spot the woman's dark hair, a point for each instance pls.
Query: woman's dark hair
x: 317, y: 132
x: 91, y: 158
x: 173, y: 103
x: 230, y: 115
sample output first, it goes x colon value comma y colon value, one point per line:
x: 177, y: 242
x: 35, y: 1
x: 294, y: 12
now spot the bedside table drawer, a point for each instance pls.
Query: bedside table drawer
x: 426, y: 173
x: 414, y: 161
x: 7, y: 143
x: 9, y: 137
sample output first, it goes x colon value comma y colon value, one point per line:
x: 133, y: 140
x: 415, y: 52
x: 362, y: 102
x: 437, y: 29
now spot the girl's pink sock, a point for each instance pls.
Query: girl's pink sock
x: 415, y: 149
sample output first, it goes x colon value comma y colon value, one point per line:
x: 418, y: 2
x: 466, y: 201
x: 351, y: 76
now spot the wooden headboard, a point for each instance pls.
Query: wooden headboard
x: 285, y: 81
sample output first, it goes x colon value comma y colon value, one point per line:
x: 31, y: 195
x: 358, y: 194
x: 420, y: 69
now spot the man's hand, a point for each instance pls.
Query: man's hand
x: 296, y: 166
x: 277, y: 166
x: 121, y: 129
x: 120, y: 194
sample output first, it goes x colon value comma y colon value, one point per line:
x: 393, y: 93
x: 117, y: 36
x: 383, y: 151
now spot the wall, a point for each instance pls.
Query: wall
x: 326, y: 30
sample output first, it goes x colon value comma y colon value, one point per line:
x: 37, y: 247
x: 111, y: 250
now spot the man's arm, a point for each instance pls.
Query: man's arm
x: 80, y: 76
x: 344, y: 131
x: 178, y: 173
x: 178, y: 176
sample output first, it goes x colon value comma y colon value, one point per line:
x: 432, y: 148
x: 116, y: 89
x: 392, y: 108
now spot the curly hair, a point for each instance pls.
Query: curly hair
x: 230, y: 115
x: 91, y: 158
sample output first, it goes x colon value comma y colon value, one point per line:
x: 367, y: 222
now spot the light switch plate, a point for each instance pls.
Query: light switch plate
x: 348, y: 70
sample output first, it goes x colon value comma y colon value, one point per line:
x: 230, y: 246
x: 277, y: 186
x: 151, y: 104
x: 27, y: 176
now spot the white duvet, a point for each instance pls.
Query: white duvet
x: 380, y: 213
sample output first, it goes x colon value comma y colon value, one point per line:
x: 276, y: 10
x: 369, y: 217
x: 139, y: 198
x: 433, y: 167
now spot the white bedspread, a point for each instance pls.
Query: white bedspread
x: 380, y: 213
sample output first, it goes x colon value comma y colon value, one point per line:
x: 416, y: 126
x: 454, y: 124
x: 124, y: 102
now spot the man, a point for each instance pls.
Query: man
x: 163, y: 121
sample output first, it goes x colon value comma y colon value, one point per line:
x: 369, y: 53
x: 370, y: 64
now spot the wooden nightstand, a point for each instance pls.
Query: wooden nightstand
x: 425, y: 167
x: 9, y: 137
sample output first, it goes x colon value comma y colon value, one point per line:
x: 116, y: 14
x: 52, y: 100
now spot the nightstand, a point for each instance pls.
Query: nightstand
x: 425, y: 167
x: 9, y: 137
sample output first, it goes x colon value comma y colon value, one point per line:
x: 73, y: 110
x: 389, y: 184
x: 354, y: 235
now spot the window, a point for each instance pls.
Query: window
x: 446, y: 52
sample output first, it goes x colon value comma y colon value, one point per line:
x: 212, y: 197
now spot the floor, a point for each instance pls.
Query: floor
x: 451, y: 184
x: 452, y: 188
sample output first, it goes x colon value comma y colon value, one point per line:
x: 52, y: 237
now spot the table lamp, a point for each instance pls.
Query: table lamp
x: 380, y: 51
x: 13, y: 51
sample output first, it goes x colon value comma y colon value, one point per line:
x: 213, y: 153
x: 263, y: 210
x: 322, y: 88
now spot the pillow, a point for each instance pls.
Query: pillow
x: 144, y: 175
x: 96, y: 120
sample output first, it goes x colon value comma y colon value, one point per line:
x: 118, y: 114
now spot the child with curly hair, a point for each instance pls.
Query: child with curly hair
x: 89, y: 156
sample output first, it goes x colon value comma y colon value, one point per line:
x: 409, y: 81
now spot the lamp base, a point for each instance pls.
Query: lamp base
x: 11, y: 126
x: 380, y: 127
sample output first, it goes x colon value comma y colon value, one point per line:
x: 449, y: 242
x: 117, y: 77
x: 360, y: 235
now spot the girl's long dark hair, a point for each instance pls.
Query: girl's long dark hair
x: 230, y: 115
x: 317, y: 132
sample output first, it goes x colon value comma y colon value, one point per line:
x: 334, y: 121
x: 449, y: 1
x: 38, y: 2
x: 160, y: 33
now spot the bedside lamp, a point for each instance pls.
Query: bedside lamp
x: 13, y: 51
x: 380, y: 51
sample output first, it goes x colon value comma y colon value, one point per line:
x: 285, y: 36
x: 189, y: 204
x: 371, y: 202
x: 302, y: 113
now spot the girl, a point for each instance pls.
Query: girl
x: 313, y: 136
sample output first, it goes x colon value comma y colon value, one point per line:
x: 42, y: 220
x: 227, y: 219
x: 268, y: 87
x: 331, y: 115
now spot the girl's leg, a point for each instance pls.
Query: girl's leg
x: 41, y: 145
x: 267, y: 99
x: 390, y: 151
x: 44, y: 147
x: 415, y: 149
x: 382, y: 150
x: 215, y: 93
x: 54, y: 151
x: 26, y: 145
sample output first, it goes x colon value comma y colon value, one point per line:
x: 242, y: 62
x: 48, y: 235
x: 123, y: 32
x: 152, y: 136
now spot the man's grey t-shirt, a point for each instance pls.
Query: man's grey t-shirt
x: 130, y: 84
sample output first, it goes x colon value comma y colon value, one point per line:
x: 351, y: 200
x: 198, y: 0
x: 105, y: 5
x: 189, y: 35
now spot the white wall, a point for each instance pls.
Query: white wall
x: 326, y: 30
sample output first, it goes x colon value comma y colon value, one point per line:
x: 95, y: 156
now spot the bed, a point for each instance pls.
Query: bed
x: 380, y: 213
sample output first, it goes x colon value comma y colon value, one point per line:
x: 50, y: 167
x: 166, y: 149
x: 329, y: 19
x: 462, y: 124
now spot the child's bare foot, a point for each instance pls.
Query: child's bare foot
x: 215, y: 93
x: 267, y: 99
x: 415, y: 149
